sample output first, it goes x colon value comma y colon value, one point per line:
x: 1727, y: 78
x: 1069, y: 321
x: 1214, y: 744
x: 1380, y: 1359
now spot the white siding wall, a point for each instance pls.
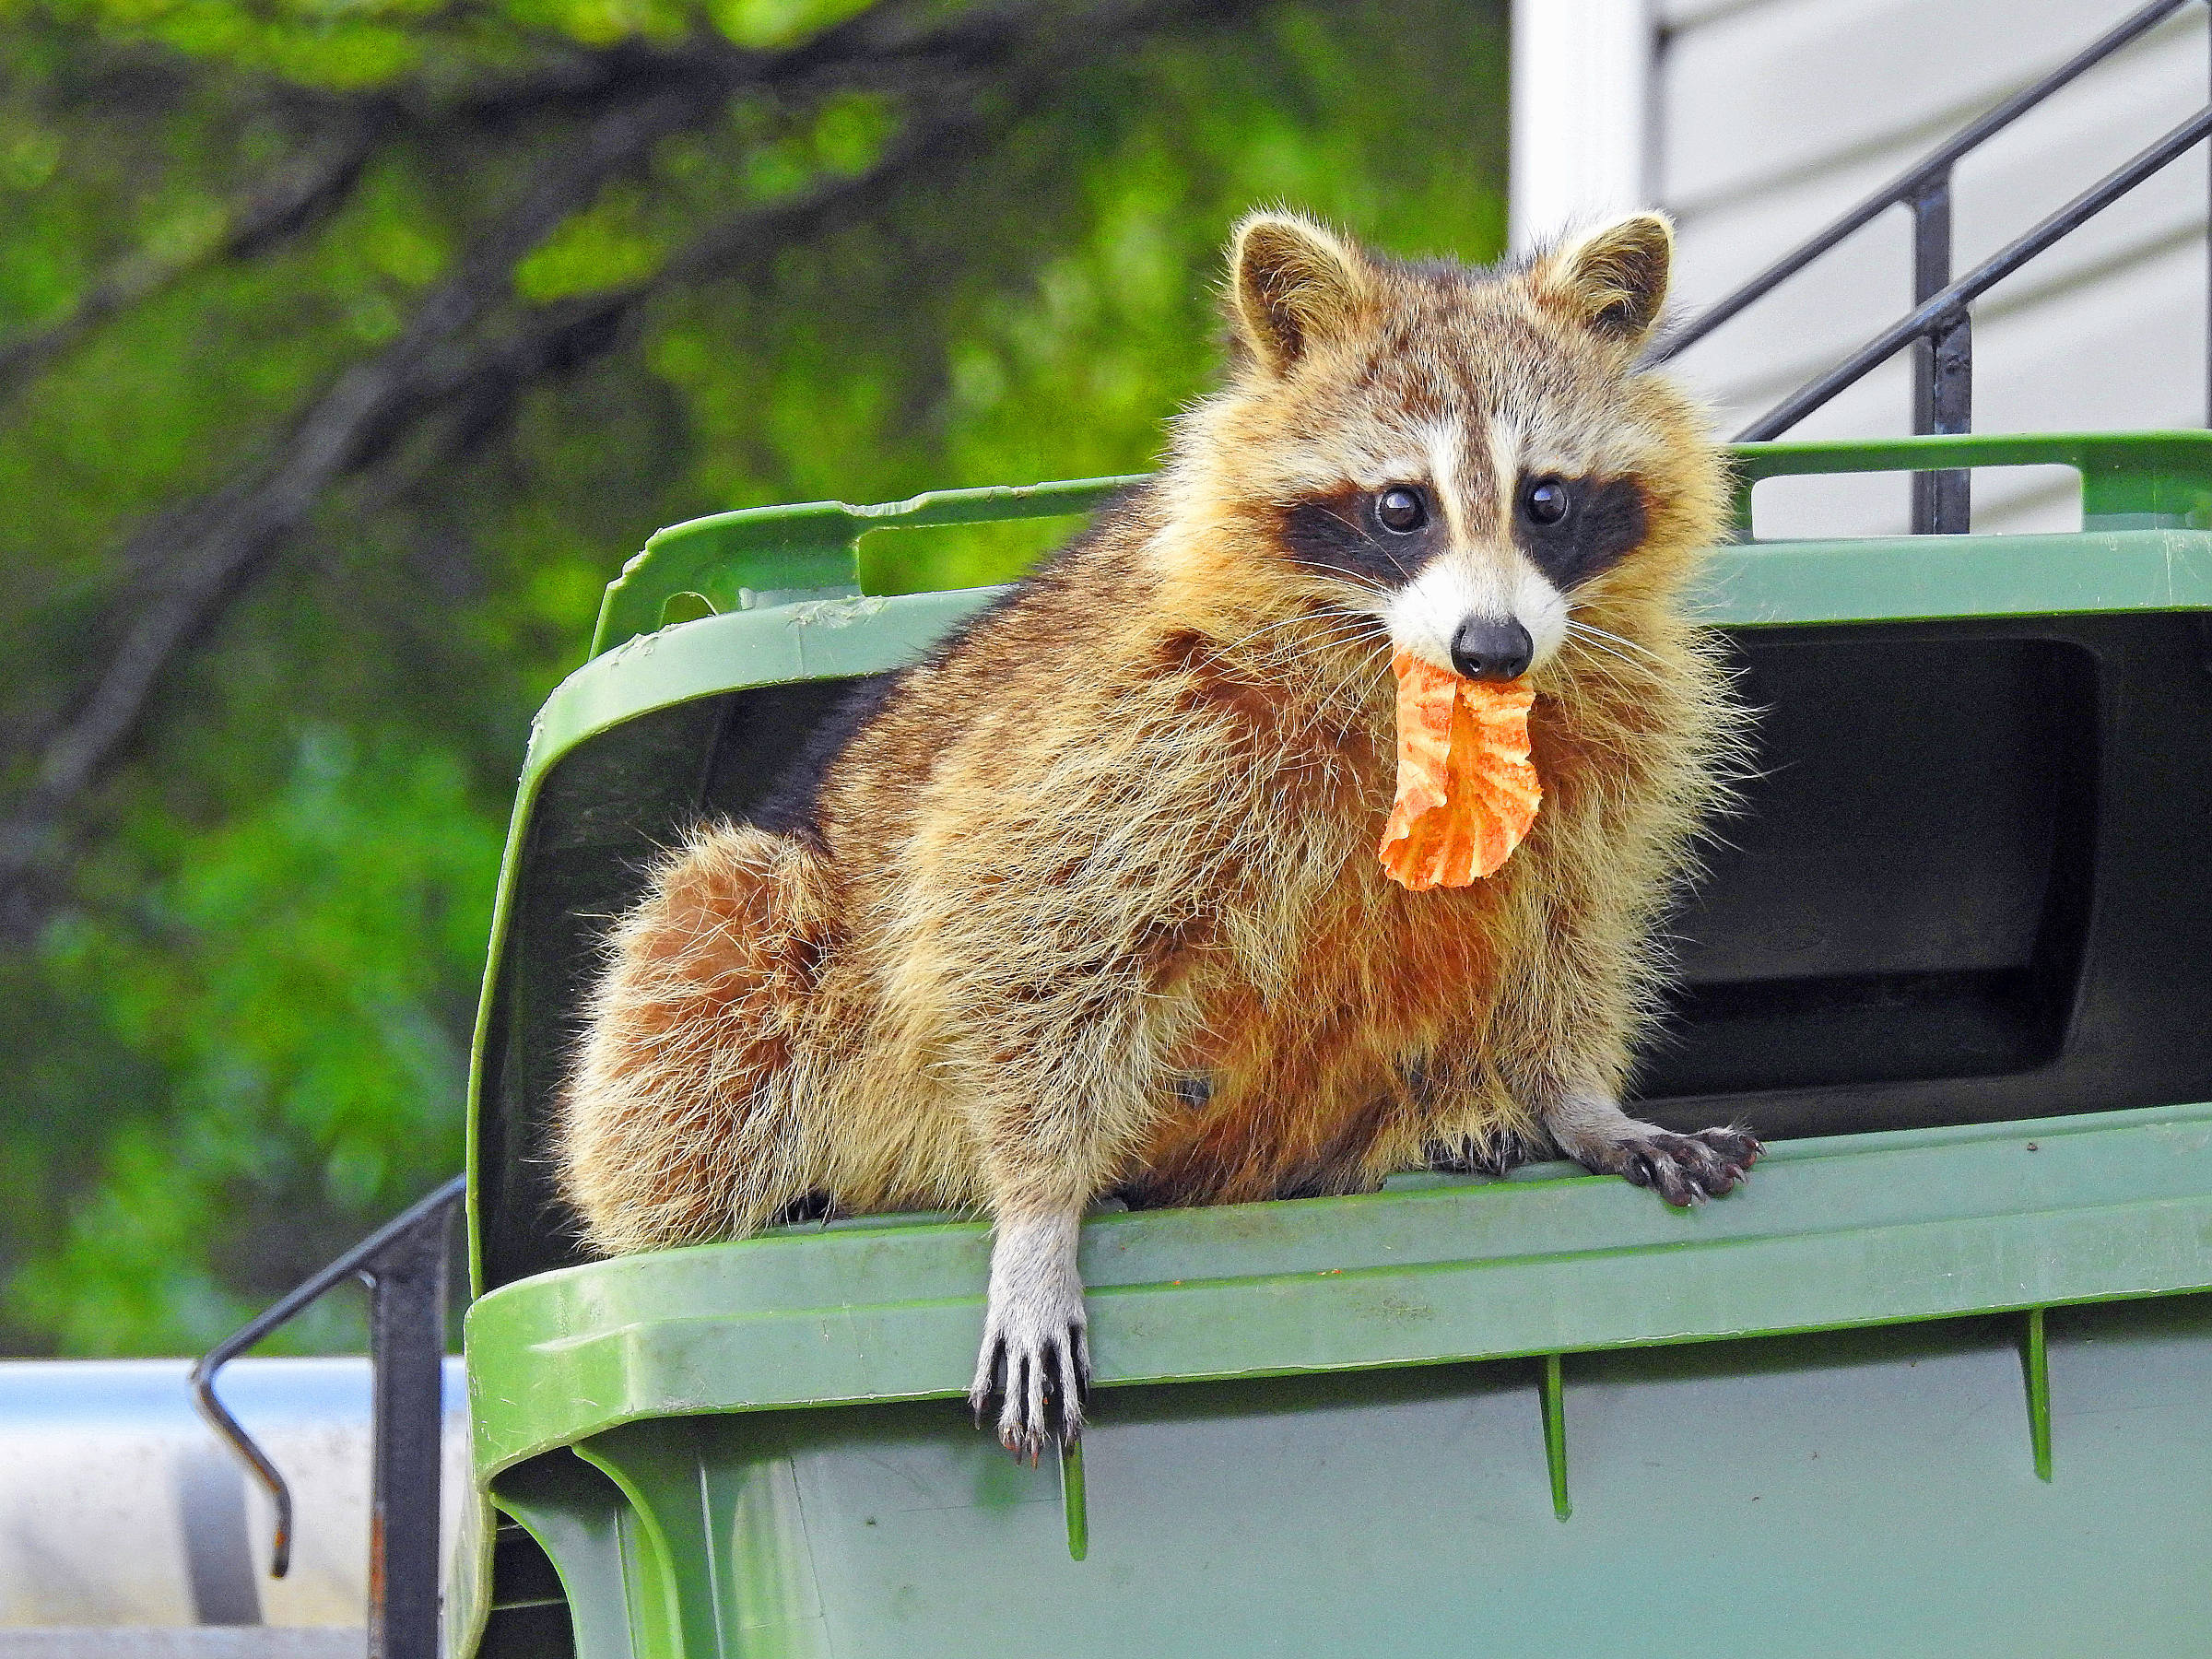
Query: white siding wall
x: 1581, y: 117
x: 1769, y: 117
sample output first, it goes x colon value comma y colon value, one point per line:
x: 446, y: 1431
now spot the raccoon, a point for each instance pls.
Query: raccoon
x: 1087, y: 902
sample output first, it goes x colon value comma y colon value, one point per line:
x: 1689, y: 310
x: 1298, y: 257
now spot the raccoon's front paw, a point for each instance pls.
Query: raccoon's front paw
x: 1684, y: 1168
x: 1035, y: 1342
x: 1037, y: 1360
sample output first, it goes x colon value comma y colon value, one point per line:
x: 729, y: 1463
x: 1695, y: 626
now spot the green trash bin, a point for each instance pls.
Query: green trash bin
x: 1935, y: 1380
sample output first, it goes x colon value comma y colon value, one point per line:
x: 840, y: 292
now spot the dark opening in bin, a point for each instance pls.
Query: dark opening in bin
x: 1905, y: 894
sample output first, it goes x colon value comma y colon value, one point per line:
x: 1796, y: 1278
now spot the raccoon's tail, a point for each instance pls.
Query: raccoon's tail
x: 683, y: 1120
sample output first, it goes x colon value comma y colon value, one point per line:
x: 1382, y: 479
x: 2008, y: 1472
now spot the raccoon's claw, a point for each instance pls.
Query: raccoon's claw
x: 1043, y: 1381
x: 1686, y: 1170
x: 1495, y: 1155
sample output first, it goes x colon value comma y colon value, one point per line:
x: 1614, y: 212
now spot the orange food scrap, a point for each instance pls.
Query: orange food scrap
x: 1466, y: 790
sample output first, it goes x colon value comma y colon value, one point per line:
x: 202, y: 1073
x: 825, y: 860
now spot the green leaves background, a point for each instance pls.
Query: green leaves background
x: 238, y: 973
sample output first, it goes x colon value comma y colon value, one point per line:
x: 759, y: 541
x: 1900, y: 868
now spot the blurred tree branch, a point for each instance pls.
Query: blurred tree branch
x: 301, y: 531
x: 291, y: 200
x: 881, y: 49
x: 960, y: 82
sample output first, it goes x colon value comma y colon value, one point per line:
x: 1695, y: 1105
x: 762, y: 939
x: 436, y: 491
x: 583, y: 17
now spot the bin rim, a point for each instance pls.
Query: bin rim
x: 1838, y: 1231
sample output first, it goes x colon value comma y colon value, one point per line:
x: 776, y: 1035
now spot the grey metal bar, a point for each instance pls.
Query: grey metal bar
x: 407, y: 1325
x: 1942, y: 367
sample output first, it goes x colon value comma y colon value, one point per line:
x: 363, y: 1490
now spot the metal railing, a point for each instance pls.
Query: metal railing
x: 403, y: 1264
x: 1941, y: 327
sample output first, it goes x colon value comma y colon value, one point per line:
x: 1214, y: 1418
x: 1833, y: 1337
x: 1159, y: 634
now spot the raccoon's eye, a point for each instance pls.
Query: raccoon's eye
x: 1545, y: 500
x: 1400, y: 510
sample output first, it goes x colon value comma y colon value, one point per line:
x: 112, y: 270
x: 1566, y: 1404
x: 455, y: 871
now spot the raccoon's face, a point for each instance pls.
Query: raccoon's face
x: 1462, y: 457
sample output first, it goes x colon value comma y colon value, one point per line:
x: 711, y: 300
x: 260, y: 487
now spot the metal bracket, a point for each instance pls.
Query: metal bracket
x: 403, y: 1265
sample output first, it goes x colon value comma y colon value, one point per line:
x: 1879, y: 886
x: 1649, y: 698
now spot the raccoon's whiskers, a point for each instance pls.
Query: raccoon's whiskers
x: 1320, y: 621
x: 1608, y: 650
x: 1591, y: 674
x: 1577, y: 625
x: 1313, y: 651
x: 1348, y: 684
x: 1596, y: 638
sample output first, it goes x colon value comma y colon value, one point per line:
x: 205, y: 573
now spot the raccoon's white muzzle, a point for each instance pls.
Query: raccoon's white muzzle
x: 1488, y: 585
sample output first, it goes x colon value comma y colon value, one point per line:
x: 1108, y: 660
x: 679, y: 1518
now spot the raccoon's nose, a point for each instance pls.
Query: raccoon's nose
x: 1484, y: 649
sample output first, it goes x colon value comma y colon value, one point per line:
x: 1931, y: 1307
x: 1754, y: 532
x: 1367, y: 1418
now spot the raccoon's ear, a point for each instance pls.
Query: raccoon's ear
x: 1292, y: 285
x: 1613, y: 278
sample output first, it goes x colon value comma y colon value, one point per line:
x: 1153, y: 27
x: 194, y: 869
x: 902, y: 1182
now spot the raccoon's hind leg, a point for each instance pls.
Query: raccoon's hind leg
x: 1591, y: 1128
x: 683, y: 1120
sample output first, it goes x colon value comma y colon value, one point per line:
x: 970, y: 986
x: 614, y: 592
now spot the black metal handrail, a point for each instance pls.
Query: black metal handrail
x: 403, y: 1262
x: 1941, y: 324
x: 1946, y: 309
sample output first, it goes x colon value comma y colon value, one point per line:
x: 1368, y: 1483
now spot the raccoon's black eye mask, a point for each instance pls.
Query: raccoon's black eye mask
x: 1375, y: 539
x: 1576, y: 529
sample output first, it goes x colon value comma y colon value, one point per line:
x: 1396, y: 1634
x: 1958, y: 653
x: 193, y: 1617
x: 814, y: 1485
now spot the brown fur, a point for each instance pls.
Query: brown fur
x: 1094, y: 903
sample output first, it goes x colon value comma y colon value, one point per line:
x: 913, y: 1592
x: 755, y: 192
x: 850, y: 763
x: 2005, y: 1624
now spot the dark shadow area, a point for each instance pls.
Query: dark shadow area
x: 1905, y: 892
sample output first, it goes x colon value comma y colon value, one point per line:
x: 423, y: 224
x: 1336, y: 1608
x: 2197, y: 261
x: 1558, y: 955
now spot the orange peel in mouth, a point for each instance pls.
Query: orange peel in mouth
x: 1467, y: 792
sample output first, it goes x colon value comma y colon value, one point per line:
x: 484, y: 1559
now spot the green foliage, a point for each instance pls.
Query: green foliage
x: 298, y: 976
x: 240, y: 1041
